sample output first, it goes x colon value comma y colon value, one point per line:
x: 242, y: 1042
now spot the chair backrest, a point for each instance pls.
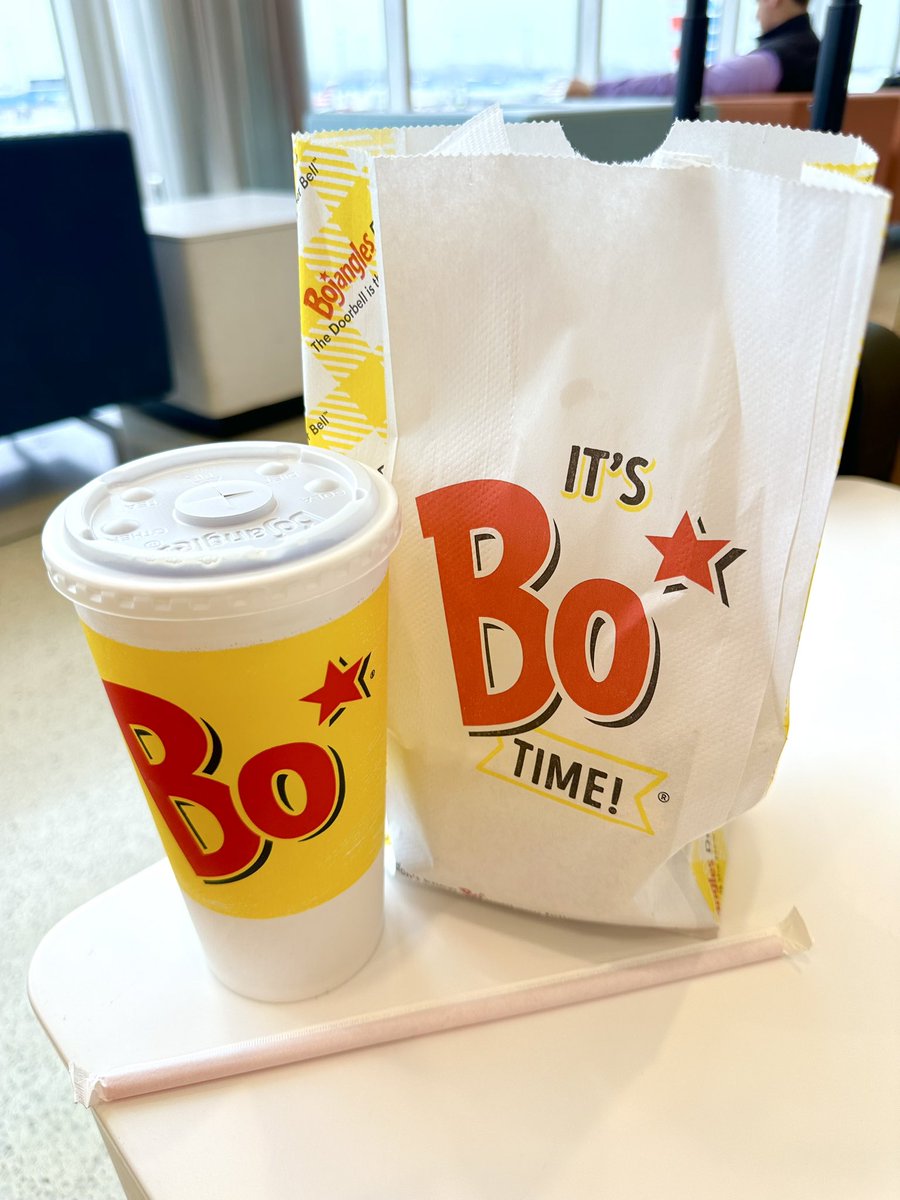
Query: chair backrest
x: 874, y: 117
x: 81, y: 319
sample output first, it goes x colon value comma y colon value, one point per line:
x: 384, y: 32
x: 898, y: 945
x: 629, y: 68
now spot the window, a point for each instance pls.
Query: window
x: 470, y: 54
x: 875, y: 55
x: 639, y: 38
x: 747, y: 28
x: 34, y: 93
x: 461, y: 56
x: 346, y: 55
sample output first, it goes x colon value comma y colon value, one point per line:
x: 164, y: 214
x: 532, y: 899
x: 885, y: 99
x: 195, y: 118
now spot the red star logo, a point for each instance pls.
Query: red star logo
x: 686, y: 556
x: 340, y: 688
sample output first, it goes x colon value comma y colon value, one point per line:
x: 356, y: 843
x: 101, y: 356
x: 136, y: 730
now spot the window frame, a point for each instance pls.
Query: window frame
x: 587, y: 56
x: 396, y: 42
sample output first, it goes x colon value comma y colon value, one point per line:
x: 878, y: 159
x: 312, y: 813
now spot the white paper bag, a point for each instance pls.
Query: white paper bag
x: 619, y: 395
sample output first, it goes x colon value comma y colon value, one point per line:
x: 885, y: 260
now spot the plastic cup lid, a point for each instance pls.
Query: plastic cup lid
x: 219, y: 529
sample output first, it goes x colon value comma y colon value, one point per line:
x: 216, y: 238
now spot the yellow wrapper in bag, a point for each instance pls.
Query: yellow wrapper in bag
x: 341, y: 306
x: 341, y: 319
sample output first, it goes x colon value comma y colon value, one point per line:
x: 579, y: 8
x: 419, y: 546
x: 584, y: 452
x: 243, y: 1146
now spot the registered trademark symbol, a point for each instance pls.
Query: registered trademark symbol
x: 663, y: 797
x: 371, y: 674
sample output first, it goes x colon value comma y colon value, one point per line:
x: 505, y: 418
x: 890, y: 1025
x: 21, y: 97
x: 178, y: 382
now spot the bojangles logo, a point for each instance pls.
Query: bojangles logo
x: 262, y: 763
x: 513, y: 657
x: 333, y: 293
x: 294, y: 791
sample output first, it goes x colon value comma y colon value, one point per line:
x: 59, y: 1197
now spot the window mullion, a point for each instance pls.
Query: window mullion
x: 396, y: 40
x: 587, y: 46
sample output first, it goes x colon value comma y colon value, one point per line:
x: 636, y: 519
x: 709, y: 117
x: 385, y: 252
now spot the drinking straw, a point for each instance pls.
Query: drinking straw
x: 436, y: 1016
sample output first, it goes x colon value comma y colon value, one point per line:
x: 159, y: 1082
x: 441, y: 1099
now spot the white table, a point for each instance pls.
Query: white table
x: 227, y: 267
x: 776, y: 1080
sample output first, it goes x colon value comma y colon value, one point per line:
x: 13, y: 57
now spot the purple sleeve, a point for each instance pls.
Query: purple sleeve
x: 758, y: 72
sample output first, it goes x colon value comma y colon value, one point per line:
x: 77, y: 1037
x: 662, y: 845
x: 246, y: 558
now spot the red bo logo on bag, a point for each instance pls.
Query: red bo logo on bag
x: 496, y: 548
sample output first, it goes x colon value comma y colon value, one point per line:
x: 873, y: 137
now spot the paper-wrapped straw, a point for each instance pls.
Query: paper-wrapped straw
x: 434, y: 1016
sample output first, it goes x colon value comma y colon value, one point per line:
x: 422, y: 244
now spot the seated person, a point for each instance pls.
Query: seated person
x: 785, y: 61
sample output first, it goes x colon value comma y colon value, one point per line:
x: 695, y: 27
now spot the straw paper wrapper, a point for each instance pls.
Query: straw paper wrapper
x: 414, y: 1020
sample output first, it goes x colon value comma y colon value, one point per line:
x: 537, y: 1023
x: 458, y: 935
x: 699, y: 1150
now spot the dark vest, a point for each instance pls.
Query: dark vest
x: 797, y: 49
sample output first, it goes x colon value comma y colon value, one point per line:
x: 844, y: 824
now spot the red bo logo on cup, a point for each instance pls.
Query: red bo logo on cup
x: 177, y: 756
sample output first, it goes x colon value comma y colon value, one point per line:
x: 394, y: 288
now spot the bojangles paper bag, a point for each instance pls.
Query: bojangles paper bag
x: 620, y: 394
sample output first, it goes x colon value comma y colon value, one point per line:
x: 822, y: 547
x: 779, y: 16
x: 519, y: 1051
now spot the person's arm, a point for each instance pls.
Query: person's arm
x: 759, y: 72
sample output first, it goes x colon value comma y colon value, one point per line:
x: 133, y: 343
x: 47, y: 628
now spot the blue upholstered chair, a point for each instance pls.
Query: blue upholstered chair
x: 81, y: 319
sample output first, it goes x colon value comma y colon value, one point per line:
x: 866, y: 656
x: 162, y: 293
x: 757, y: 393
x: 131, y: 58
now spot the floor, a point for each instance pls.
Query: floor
x: 56, y: 857
x: 40, y: 467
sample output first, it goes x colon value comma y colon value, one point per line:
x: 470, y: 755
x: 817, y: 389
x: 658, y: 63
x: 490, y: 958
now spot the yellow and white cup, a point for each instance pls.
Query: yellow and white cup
x: 234, y: 597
